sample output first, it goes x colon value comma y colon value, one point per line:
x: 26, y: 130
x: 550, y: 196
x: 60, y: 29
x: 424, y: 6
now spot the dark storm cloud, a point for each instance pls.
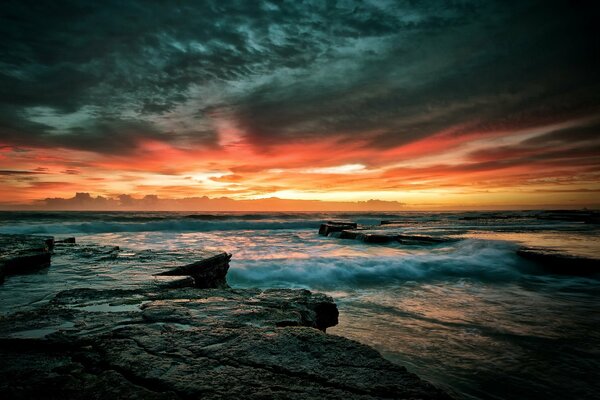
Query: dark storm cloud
x: 496, y: 67
x: 105, y: 135
x: 102, y: 76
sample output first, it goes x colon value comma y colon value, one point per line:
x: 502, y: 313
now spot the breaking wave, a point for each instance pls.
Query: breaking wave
x: 470, y: 259
x: 170, y: 225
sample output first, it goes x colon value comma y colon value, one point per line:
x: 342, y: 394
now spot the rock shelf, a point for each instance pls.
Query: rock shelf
x: 23, y: 254
x: 187, y: 335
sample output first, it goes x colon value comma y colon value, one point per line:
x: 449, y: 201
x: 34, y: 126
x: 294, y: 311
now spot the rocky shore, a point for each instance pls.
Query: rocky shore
x: 22, y: 254
x: 545, y: 259
x: 187, y: 335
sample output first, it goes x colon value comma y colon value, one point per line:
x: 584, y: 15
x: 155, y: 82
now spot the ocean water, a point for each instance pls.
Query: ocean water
x: 470, y: 316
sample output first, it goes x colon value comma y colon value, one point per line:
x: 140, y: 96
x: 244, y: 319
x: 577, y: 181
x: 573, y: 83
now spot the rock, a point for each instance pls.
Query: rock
x: 395, y: 222
x: 24, y: 254
x: 560, y: 263
x: 350, y: 234
x: 69, y: 240
x: 192, y: 343
x: 335, y: 226
x: 379, y: 238
x: 210, y: 272
x: 492, y: 216
x: 173, y: 282
x: 585, y: 216
x: 388, y: 235
x: 423, y: 239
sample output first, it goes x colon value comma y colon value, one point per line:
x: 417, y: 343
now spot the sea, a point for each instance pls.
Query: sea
x: 470, y: 316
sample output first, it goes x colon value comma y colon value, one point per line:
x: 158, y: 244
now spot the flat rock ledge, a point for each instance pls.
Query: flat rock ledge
x: 386, y: 232
x: 23, y: 254
x: 190, y: 343
x: 556, y: 262
x: 186, y: 335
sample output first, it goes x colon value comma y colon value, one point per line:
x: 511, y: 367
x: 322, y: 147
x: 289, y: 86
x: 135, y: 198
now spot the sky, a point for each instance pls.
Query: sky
x: 415, y: 104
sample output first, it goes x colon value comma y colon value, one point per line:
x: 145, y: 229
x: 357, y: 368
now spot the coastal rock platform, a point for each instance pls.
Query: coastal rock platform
x: 171, y: 339
x: 22, y: 254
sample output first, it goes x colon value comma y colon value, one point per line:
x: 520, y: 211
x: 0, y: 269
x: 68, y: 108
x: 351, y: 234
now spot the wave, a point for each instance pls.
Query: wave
x: 471, y: 259
x: 171, y: 225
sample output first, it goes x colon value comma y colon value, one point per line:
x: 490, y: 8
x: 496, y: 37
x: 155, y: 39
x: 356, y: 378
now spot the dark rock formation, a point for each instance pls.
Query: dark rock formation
x: 210, y: 272
x: 560, y: 263
x: 192, y: 343
x: 173, y: 282
x: 585, y: 216
x: 395, y: 222
x: 423, y: 239
x: 388, y: 235
x: 69, y: 240
x: 171, y: 338
x: 335, y: 226
x: 23, y: 254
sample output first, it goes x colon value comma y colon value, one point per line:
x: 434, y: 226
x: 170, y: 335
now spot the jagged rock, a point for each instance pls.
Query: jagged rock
x: 192, y: 343
x: 210, y: 272
x: 23, y: 254
x: 335, y: 226
x: 560, y: 263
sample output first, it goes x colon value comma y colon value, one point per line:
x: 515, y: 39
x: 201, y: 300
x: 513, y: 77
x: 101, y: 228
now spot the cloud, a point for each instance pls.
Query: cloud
x: 13, y: 172
x: 290, y: 71
x: 85, y: 201
x: 374, y: 93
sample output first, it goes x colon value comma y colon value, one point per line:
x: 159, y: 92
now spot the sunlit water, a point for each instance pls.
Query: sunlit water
x: 470, y: 316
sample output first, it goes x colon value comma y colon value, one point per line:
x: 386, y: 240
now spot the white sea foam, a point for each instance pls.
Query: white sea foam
x: 473, y: 259
x: 169, y: 225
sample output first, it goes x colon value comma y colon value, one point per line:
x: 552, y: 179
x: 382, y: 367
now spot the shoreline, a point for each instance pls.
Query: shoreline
x: 178, y: 337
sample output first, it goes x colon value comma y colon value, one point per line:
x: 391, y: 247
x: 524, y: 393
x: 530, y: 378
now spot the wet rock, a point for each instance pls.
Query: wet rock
x: 395, y: 222
x: 209, y: 272
x: 423, y: 239
x: 560, y: 263
x: 24, y: 254
x: 192, y: 343
x: 389, y: 235
x: 378, y: 238
x: 69, y: 240
x: 585, y: 216
x: 173, y: 282
x: 335, y: 226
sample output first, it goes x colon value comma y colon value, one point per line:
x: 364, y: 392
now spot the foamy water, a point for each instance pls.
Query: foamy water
x: 470, y: 316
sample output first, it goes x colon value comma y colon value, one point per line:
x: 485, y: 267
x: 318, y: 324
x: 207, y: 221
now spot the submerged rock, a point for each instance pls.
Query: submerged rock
x: 209, y: 272
x: 560, y: 263
x: 192, y: 343
x: 24, y: 254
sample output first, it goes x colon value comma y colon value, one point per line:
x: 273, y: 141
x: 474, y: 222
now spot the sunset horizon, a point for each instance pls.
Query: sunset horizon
x: 83, y: 201
x: 342, y: 103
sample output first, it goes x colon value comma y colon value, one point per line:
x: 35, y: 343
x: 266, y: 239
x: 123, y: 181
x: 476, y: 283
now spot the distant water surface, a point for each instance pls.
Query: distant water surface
x: 470, y: 316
